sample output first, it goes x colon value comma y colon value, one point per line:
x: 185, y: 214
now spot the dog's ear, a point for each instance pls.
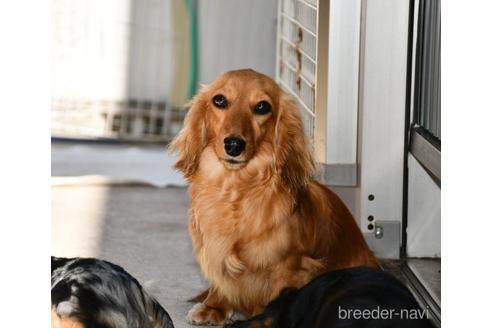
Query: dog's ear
x: 293, y: 158
x: 192, y: 139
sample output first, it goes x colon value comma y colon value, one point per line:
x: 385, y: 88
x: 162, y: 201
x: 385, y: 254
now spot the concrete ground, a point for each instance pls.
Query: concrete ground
x: 142, y: 228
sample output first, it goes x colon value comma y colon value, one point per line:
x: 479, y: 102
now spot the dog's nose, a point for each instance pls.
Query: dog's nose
x: 234, y: 146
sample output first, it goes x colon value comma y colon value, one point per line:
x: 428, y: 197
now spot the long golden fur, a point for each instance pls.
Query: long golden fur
x: 258, y: 222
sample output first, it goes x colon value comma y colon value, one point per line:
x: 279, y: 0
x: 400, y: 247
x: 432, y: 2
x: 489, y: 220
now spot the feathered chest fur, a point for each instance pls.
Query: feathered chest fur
x: 239, y: 221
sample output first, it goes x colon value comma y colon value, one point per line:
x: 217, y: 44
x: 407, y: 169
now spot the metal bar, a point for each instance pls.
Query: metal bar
x: 431, y: 61
x: 295, y: 21
x: 427, y: 40
x: 436, y: 72
x: 427, y: 103
x: 310, y: 83
x: 308, y: 4
x: 426, y: 152
x: 304, y: 106
x: 292, y: 44
x: 419, y: 67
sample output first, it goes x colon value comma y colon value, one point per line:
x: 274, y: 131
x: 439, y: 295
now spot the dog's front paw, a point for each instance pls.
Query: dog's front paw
x: 202, y: 315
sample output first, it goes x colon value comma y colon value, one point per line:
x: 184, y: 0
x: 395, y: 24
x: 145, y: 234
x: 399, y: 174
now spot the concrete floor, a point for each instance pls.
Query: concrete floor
x: 143, y: 229
x: 428, y: 272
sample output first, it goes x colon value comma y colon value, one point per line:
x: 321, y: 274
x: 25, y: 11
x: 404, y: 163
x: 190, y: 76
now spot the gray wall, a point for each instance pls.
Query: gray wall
x: 236, y: 34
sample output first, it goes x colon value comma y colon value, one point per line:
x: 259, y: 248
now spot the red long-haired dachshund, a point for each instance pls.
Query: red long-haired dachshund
x: 258, y: 221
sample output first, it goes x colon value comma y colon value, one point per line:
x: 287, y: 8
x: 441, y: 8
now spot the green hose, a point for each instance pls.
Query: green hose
x: 193, y: 28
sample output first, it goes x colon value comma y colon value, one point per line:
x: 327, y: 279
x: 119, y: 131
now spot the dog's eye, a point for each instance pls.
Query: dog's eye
x: 263, y: 107
x: 220, y: 101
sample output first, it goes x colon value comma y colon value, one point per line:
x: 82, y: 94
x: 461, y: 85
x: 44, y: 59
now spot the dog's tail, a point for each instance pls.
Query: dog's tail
x: 159, y: 318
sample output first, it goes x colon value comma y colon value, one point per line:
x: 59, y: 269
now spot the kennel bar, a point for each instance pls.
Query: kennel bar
x: 317, y: 56
x: 301, y: 62
x: 296, y: 55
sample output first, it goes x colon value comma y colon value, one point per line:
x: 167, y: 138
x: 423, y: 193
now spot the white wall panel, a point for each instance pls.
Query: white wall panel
x: 382, y: 109
x: 236, y: 34
x: 343, y: 82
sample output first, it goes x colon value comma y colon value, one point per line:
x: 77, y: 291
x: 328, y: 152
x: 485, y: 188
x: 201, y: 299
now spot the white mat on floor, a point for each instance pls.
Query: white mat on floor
x: 113, y: 163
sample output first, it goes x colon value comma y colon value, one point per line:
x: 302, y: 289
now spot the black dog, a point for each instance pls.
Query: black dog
x: 92, y: 293
x: 356, y: 297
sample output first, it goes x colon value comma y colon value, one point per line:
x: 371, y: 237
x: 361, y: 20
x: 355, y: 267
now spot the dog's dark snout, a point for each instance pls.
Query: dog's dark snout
x: 234, y: 146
